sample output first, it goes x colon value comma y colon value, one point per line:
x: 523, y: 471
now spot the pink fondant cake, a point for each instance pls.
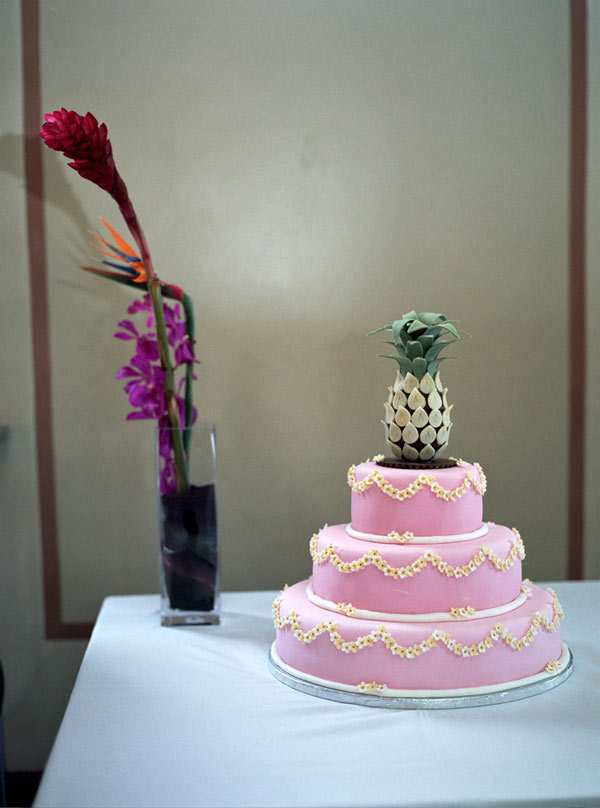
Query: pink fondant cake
x: 416, y: 596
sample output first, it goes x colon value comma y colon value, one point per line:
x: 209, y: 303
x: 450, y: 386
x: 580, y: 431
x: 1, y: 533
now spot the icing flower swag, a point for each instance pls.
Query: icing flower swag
x: 167, y: 346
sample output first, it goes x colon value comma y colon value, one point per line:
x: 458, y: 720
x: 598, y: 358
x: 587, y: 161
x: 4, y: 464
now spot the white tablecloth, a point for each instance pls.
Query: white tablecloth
x: 192, y: 717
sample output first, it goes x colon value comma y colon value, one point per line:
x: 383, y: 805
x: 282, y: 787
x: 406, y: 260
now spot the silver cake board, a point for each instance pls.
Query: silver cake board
x: 514, y: 693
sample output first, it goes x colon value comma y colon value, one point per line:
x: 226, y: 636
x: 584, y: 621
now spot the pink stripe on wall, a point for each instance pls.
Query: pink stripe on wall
x: 56, y: 628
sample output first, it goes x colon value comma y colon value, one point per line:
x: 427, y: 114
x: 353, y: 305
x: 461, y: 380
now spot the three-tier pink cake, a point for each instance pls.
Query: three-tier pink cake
x: 417, y: 597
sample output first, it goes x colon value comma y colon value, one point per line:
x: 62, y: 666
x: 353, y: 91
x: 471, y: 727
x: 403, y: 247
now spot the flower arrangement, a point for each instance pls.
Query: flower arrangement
x: 167, y: 345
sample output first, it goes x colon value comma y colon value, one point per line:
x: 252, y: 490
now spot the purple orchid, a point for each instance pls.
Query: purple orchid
x: 145, y: 377
x: 147, y: 346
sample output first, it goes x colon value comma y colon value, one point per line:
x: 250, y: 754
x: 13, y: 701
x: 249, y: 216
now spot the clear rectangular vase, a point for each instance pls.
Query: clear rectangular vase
x: 187, y: 521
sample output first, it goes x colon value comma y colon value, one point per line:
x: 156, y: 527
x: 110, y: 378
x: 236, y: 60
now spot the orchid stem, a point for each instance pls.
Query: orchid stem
x: 128, y: 213
x: 189, y: 372
x: 181, y: 469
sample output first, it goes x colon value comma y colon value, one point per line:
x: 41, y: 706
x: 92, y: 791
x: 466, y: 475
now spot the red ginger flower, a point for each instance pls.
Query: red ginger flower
x: 87, y: 144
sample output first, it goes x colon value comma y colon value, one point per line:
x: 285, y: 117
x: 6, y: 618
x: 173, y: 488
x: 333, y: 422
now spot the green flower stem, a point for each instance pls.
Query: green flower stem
x: 188, y: 309
x: 122, y: 199
x: 181, y: 469
x: 128, y: 213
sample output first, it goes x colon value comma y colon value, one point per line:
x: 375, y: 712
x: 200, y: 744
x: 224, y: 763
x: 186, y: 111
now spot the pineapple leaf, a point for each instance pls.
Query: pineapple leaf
x: 399, y: 348
x: 379, y: 330
x: 433, y: 366
x: 449, y: 327
x: 429, y: 318
x: 416, y: 325
x: 419, y: 367
x: 414, y: 349
x: 427, y: 340
x: 436, y: 348
x: 419, y: 339
x: 406, y: 365
x: 397, y: 330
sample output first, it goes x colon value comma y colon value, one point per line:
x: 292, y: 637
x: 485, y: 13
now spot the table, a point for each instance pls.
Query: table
x: 191, y: 716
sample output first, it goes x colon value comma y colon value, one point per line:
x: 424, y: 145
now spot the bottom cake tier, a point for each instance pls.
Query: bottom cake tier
x: 467, y: 655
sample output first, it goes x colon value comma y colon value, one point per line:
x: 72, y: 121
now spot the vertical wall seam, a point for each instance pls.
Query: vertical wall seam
x: 577, y: 286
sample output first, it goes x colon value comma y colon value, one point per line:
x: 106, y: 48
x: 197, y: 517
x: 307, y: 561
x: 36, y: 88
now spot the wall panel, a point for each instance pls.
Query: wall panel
x: 340, y: 164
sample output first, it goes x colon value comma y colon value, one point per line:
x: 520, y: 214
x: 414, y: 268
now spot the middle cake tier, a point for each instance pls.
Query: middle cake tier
x: 451, y: 575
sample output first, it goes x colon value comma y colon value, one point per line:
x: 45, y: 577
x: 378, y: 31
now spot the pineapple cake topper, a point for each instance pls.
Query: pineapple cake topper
x: 417, y: 414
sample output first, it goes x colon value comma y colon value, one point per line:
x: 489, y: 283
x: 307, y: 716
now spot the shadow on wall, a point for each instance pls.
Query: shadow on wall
x: 57, y: 191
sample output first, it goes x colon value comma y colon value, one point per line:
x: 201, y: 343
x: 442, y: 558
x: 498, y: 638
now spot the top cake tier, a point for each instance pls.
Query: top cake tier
x: 420, y: 503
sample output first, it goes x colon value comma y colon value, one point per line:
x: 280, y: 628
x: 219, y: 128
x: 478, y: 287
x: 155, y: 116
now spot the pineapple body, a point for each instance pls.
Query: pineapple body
x: 417, y: 417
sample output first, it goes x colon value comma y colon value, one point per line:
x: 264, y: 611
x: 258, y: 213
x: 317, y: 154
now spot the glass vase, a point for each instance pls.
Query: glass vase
x: 187, y: 520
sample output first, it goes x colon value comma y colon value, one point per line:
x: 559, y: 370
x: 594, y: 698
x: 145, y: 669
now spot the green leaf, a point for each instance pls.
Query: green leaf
x: 399, y: 348
x: 405, y: 364
x: 435, y: 349
x: 404, y: 338
x: 419, y: 367
x: 401, y: 360
x: 378, y: 330
x: 429, y: 317
x: 434, y: 366
x: 416, y: 325
x: 397, y: 329
x: 427, y: 340
x: 414, y: 349
x: 450, y: 328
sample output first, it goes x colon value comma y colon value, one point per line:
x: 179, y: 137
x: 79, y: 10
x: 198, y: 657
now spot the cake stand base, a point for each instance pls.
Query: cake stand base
x: 283, y: 674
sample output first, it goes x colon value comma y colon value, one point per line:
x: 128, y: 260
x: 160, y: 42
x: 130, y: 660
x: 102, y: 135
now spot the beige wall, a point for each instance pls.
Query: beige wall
x: 307, y: 170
